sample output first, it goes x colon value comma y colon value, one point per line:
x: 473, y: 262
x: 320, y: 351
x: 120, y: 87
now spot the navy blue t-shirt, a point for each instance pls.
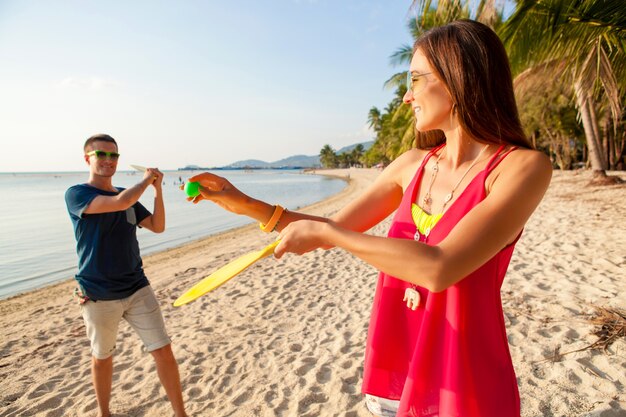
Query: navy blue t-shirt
x: 109, y: 263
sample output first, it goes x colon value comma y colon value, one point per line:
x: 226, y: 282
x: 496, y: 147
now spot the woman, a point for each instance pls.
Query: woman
x: 437, y: 343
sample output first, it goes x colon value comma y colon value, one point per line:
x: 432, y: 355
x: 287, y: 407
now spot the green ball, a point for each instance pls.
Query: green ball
x: 192, y: 189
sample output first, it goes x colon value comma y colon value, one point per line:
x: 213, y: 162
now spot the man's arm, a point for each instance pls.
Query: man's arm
x: 123, y: 200
x: 156, y: 221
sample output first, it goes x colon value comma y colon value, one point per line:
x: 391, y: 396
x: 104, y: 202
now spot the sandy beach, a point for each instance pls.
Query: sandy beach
x: 286, y: 337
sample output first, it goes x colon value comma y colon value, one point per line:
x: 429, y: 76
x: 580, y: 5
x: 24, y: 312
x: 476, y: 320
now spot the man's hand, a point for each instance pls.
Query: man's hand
x: 155, y: 175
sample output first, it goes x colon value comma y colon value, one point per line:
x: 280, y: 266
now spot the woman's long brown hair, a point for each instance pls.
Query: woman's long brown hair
x: 469, y: 58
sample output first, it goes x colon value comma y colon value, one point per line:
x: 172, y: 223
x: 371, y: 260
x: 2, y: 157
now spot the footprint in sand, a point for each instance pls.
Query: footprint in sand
x: 187, y: 272
x: 309, y: 363
x: 348, y: 385
x: 296, y: 347
x: 311, y: 398
x: 323, y: 375
x: 242, y: 398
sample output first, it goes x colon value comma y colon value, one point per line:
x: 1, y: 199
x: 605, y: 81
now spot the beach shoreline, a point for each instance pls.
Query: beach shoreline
x: 339, y: 174
x: 287, y: 337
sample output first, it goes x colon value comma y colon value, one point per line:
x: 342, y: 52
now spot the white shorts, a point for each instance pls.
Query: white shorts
x: 141, y: 310
x: 381, y: 407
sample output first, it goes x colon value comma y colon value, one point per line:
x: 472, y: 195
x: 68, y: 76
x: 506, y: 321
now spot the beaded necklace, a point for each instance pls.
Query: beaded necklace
x: 427, y: 200
x: 421, y: 218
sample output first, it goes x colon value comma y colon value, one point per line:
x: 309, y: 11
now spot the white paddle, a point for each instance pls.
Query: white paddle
x: 138, y: 168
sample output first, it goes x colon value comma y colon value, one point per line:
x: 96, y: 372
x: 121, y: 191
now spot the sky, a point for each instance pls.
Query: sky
x: 191, y: 82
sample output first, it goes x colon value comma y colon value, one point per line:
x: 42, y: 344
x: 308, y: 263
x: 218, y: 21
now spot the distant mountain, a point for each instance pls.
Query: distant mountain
x: 296, y: 161
x: 300, y: 161
x: 249, y: 163
x: 193, y: 168
x: 366, y: 146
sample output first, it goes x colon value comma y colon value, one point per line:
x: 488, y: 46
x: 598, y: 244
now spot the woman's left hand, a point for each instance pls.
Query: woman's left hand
x: 300, y: 237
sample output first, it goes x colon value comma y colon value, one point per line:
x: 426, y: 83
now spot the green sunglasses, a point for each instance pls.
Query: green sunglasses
x: 415, y: 83
x: 102, y: 155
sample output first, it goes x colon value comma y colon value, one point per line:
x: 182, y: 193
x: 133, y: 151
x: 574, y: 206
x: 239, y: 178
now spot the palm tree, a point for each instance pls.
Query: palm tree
x: 344, y: 160
x: 394, y: 127
x: 373, y: 119
x: 588, y: 38
x: 328, y: 158
x: 357, y: 154
x: 549, y: 115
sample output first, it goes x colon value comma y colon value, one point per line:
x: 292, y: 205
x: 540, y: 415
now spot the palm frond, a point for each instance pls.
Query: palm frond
x: 402, y: 56
x: 587, y: 35
x: 397, y: 80
x: 535, y: 78
x: 539, y: 29
x: 596, y: 69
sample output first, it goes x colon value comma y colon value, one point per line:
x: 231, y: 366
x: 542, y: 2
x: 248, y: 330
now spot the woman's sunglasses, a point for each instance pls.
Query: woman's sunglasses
x: 415, y: 83
x: 102, y: 155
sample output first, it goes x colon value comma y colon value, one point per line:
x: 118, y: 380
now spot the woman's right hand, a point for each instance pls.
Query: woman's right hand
x: 220, y: 191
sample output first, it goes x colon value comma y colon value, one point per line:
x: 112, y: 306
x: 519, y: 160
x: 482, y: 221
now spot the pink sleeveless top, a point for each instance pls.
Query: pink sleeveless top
x: 450, y: 356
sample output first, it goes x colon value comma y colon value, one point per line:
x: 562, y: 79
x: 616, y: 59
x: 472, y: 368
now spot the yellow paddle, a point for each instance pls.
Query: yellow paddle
x: 223, y: 274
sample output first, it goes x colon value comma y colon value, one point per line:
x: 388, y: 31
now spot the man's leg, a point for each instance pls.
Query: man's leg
x: 144, y: 315
x: 170, y: 379
x: 101, y: 322
x: 102, y: 376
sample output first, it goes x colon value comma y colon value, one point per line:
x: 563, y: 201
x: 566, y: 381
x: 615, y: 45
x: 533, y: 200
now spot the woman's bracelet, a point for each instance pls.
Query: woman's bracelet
x: 273, y: 221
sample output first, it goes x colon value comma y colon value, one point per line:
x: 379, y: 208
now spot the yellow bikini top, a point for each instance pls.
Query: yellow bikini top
x: 424, y: 221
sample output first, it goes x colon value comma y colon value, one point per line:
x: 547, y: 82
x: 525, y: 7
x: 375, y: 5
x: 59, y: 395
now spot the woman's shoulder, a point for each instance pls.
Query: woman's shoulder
x: 411, y: 157
x: 525, y: 159
x: 520, y: 164
x: 404, y: 167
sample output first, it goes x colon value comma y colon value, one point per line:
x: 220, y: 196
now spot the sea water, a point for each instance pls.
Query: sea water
x: 37, y: 245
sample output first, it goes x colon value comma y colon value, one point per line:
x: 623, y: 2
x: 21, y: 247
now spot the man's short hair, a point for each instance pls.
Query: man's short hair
x: 100, y: 137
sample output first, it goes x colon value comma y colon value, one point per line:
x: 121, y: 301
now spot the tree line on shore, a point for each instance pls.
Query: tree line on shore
x: 568, y: 59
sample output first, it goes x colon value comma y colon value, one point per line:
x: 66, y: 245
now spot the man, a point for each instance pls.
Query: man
x: 112, y: 283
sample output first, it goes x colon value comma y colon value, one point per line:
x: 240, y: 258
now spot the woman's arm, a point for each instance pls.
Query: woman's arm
x: 374, y: 205
x: 221, y: 192
x: 483, y: 232
x: 382, y: 197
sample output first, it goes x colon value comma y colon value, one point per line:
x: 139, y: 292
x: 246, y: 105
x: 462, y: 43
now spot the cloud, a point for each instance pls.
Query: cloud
x: 92, y: 83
